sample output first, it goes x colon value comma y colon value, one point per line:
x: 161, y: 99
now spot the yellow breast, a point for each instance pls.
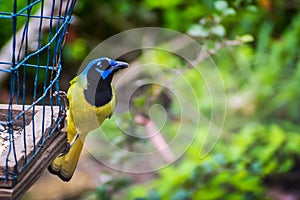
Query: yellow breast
x: 86, y: 117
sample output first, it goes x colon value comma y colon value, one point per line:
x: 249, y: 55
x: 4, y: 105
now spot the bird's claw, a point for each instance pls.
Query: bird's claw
x: 69, y: 145
x: 63, y: 95
x: 74, y: 140
x: 67, y: 149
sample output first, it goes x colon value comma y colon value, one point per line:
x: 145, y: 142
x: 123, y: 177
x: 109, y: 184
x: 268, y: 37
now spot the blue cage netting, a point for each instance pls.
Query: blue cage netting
x: 31, y: 43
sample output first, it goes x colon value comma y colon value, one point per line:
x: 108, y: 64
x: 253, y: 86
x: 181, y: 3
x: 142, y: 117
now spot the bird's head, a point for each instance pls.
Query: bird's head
x: 103, y: 69
x: 96, y: 80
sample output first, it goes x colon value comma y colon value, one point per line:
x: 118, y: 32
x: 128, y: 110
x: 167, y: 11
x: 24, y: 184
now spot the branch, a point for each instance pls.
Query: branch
x: 156, y: 138
x: 176, y: 44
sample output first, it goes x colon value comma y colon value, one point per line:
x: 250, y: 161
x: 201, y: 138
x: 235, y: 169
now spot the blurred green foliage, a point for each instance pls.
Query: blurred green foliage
x: 259, y: 146
x: 236, y: 169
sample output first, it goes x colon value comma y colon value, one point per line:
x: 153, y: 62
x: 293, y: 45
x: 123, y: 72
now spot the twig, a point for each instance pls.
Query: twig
x: 156, y: 138
x: 176, y: 44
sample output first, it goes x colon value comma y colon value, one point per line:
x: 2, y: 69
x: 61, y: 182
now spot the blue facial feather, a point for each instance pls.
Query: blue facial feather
x: 113, y: 62
x: 104, y: 73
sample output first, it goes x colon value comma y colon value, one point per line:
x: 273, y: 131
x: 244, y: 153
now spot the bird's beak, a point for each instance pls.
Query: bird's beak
x: 118, y: 65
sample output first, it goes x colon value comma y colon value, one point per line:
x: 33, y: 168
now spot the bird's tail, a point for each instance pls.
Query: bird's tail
x: 64, y: 166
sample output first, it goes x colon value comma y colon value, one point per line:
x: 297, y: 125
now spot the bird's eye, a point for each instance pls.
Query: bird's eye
x: 103, y: 64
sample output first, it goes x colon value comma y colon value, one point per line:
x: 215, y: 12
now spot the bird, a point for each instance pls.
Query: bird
x: 92, y: 99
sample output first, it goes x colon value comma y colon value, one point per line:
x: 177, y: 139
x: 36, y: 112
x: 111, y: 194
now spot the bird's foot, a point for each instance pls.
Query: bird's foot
x: 63, y: 95
x: 66, y: 150
x: 69, y: 145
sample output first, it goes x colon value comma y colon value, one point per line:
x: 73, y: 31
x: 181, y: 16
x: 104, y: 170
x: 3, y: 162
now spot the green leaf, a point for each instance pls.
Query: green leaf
x: 197, y: 30
x: 229, y: 12
x: 181, y: 195
x: 102, y: 193
x: 219, y: 30
x: 220, y: 5
x: 153, y: 195
x: 162, y: 4
x: 246, y: 38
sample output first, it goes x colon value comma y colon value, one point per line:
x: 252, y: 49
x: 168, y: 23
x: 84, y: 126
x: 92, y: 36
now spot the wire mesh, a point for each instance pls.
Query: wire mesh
x: 30, y: 58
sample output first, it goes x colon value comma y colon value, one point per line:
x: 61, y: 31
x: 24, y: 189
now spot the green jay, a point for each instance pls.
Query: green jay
x: 92, y: 99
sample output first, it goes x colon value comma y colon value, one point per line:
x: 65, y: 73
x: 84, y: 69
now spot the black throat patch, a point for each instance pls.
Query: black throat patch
x: 98, y: 94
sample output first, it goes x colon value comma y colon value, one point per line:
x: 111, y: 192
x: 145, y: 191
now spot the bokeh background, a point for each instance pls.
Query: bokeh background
x: 254, y: 44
